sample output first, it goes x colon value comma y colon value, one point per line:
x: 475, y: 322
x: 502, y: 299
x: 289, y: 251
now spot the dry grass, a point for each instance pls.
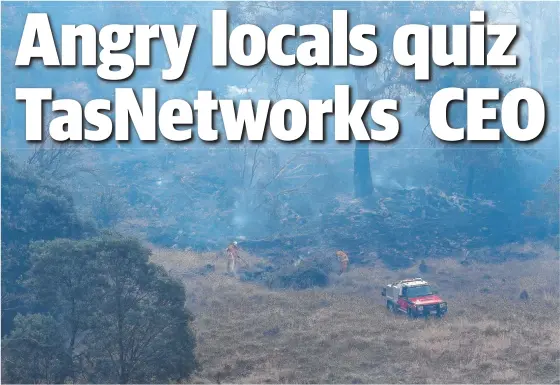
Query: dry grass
x: 343, y: 334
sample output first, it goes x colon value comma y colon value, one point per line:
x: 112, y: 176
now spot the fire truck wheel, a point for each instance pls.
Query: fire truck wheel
x: 410, y: 314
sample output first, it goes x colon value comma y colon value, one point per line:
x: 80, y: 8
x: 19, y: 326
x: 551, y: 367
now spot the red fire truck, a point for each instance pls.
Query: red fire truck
x: 414, y: 297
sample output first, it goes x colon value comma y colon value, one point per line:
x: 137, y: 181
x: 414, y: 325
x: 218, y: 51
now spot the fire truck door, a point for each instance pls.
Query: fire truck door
x: 402, y: 302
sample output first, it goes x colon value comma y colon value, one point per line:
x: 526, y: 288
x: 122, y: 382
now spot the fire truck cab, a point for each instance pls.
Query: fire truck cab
x: 413, y: 297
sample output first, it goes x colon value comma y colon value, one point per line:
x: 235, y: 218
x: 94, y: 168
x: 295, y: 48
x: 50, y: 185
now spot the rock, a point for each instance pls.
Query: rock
x: 272, y: 332
x: 207, y: 269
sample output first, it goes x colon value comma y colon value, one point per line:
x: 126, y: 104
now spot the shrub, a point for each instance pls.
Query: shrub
x: 423, y: 267
x: 34, y: 352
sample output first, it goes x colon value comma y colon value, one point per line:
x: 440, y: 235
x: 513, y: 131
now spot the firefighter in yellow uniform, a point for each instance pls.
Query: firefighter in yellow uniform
x: 343, y: 258
x: 233, y: 255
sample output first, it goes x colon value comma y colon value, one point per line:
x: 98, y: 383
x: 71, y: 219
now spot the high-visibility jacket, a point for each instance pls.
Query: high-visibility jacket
x: 342, y: 256
x: 232, y: 251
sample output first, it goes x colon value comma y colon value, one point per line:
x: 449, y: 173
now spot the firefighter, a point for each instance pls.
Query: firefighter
x: 343, y: 258
x: 233, y: 255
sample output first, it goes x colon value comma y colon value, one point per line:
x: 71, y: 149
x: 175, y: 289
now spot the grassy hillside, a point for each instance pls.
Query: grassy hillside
x: 343, y: 334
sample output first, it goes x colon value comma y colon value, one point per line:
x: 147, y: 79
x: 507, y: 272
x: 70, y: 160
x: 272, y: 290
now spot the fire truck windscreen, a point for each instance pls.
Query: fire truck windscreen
x: 418, y: 291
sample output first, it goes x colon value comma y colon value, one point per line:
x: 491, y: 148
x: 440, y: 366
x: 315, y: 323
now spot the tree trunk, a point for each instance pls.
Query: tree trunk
x: 533, y: 33
x: 363, y: 185
x: 535, y: 59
